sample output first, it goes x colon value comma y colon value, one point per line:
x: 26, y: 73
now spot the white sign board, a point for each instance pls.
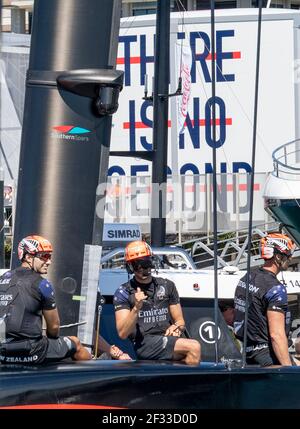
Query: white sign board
x: 121, y: 232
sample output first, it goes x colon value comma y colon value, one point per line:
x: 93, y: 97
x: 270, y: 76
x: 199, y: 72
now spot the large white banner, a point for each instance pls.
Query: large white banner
x: 236, y: 42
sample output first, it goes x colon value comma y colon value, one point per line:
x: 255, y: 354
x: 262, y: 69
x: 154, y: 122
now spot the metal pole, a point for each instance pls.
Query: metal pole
x: 176, y: 179
x: 214, y: 153
x: 237, y: 202
x: 252, y: 178
x: 160, y: 124
x: 2, y: 247
x: 208, y: 205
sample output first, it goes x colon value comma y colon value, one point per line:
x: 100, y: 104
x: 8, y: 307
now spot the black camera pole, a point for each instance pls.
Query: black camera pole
x: 66, y: 135
x: 160, y: 124
x: 160, y: 98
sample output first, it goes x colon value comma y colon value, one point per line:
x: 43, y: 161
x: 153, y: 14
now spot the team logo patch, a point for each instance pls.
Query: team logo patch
x: 161, y: 293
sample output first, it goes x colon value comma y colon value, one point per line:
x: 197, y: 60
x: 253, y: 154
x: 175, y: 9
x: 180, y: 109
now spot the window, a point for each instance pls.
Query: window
x: 225, y: 4
x: 143, y: 8
x: 150, y: 7
x: 255, y: 3
x: 205, y: 4
x: 137, y: 12
x: 29, y: 22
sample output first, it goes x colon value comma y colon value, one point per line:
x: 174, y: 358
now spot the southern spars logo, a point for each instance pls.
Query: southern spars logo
x: 70, y: 133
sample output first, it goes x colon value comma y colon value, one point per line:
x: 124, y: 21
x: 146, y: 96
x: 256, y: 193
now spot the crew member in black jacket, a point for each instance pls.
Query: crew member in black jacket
x: 148, y: 311
x: 25, y: 296
x: 268, y: 315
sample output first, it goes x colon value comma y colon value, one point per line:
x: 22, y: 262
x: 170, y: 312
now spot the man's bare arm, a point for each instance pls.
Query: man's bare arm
x: 178, y: 321
x: 126, y: 319
x: 276, y: 322
x: 52, y: 322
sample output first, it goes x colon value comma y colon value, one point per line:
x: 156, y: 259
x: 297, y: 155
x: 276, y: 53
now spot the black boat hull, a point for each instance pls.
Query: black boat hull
x: 148, y: 385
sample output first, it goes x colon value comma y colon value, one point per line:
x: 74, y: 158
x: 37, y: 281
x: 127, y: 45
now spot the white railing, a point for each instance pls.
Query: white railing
x: 286, y: 160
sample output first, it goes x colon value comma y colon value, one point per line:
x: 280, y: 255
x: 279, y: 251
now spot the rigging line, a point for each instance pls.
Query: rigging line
x: 207, y: 97
x: 214, y: 154
x: 6, y: 161
x: 183, y: 26
x: 8, y: 219
x: 252, y: 181
x: 15, y: 151
x: 130, y: 25
x: 200, y: 75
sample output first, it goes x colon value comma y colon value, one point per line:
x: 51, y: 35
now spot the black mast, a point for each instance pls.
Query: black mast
x: 160, y: 124
x: 71, y: 87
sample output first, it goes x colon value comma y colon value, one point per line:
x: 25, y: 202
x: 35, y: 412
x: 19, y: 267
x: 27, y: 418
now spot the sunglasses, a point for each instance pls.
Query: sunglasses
x: 144, y: 264
x: 44, y: 256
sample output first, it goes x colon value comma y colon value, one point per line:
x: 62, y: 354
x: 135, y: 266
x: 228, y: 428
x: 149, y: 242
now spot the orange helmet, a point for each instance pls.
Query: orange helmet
x: 137, y: 250
x: 33, y: 244
x: 276, y: 242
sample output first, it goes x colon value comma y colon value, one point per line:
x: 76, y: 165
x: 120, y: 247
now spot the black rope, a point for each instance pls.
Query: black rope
x: 214, y: 156
x: 252, y: 179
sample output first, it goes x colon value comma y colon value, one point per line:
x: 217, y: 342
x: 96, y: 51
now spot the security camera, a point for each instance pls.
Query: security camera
x: 107, y: 101
x: 108, y: 92
x: 102, y: 85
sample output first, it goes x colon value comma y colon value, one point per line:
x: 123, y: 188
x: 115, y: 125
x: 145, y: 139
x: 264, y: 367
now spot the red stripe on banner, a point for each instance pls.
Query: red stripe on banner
x: 191, y: 188
x: 229, y: 188
x: 61, y: 407
x: 133, y: 60
x: 256, y: 187
x: 235, y: 55
x: 137, y: 60
x: 242, y: 187
x: 126, y: 125
x: 187, y: 188
x: 202, y: 122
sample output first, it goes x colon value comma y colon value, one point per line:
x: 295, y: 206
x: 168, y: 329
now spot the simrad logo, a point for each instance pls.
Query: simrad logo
x: 70, y: 133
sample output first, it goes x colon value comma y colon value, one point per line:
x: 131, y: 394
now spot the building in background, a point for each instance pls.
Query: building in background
x: 17, y: 14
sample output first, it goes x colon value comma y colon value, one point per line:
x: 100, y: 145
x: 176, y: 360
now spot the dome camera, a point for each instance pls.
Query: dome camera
x: 102, y: 85
x: 107, y: 101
